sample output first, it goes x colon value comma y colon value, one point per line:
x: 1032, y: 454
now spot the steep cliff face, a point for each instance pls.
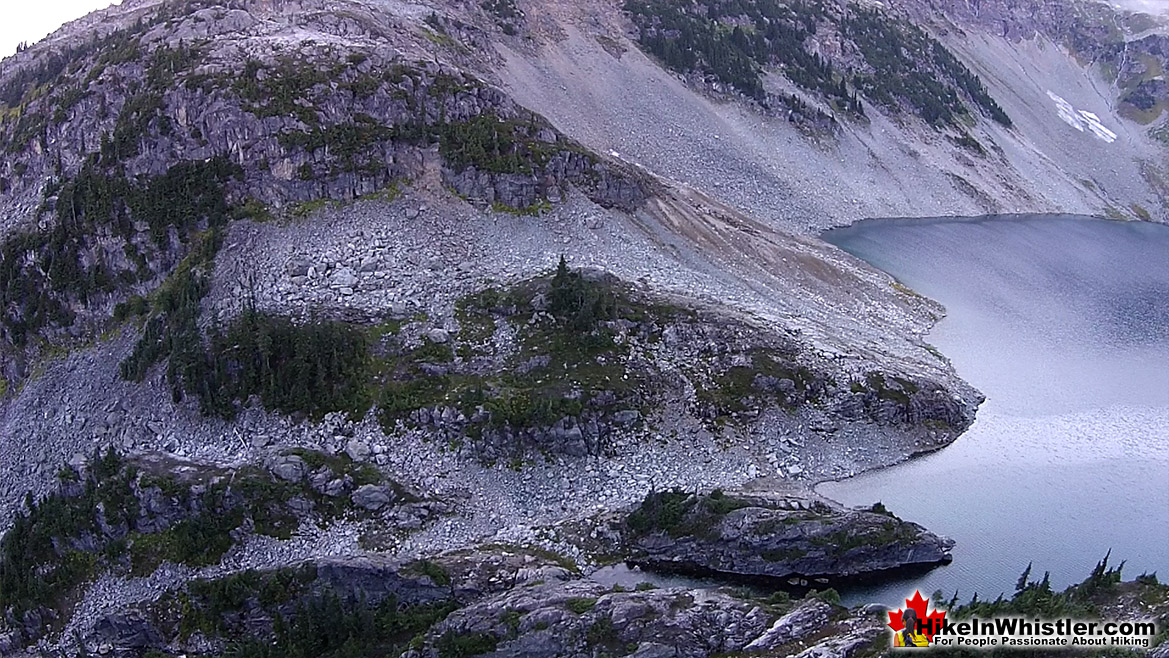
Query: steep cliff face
x: 124, y: 144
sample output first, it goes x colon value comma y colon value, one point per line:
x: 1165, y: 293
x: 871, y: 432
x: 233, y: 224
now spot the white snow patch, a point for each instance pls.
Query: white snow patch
x: 1081, y: 119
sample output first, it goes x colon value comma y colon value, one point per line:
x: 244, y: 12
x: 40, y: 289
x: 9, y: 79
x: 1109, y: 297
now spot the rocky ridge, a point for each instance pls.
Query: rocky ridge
x: 527, y: 598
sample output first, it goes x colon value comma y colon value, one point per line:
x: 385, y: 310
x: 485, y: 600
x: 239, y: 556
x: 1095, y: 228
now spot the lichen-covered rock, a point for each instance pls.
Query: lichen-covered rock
x: 752, y: 536
x: 583, y: 617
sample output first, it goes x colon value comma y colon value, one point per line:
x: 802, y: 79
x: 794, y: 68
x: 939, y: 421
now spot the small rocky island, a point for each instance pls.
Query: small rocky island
x: 775, y: 538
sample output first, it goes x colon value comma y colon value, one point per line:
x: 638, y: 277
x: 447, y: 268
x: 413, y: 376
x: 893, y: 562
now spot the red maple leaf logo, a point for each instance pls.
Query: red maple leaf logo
x: 920, y: 606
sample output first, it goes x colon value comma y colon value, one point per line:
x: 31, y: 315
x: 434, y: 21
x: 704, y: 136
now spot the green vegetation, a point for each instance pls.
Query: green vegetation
x: 681, y: 514
x: 602, y: 633
x: 1033, y: 597
x: 55, y: 75
x: 1101, y: 591
x: 578, y: 303
x: 829, y: 596
x: 709, y: 37
x: 567, y: 362
x: 253, y: 210
x: 207, y: 603
x: 580, y: 605
x: 465, y: 645
x: 308, y: 622
x: 908, y: 65
x: 506, y: 14
x: 341, y: 465
x: 41, y: 559
x: 736, y: 41
x: 563, y: 561
x: 46, y: 274
x: 487, y: 141
x: 353, y: 147
x: 285, y: 89
x: 876, y: 382
x: 42, y: 272
x: 490, y: 143
x: 571, y: 361
x: 171, y: 329
x: 310, y: 368
x: 888, y: 532
x: 966, y: 141
x: 741, y: 388
x: 432, y: 570
x: 96, y: 522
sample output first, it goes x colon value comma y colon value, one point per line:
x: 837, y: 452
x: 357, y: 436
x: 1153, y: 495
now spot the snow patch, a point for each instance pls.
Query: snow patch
x: 1081, y: 119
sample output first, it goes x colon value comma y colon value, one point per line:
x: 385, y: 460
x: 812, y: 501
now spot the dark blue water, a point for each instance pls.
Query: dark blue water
x: 1063, y: 323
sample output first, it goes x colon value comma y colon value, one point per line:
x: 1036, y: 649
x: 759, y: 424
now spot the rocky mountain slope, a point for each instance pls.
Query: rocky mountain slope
x: 360, y: 287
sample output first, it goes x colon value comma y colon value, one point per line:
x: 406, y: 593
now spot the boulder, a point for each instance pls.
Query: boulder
x: 290, y: 467
x: 626, y: 417
x: 357, y: 450
x: 581, y: 618
x: 372, y: 497
x: 298, y: 267
x: 344, y: 278
x: 809, y: 616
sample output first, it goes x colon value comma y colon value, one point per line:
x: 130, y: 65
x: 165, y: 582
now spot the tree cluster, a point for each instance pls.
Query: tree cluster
x: 311, y: 368
x: 734, y: 41
x: 577, y: 302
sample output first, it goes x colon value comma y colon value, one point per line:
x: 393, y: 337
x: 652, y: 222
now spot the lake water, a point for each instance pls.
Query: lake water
x: 1063, y: 323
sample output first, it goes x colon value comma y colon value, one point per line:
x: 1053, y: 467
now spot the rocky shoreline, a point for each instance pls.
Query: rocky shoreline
x: 151, y: 505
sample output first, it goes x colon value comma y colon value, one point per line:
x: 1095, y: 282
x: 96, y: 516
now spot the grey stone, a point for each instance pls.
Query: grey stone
x: 344, y: 278
x: 357, y: 450
x: 79, y: 461
x: 291, y: 468
x: 626, y: 417
x: 809, y: 616
x: 338, y: 487
x: 371, y: 497
x: 298, y: 267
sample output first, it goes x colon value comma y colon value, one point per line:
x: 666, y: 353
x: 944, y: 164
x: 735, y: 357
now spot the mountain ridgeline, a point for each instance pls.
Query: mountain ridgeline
x: 129, y: 150
x: 143, y: 146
